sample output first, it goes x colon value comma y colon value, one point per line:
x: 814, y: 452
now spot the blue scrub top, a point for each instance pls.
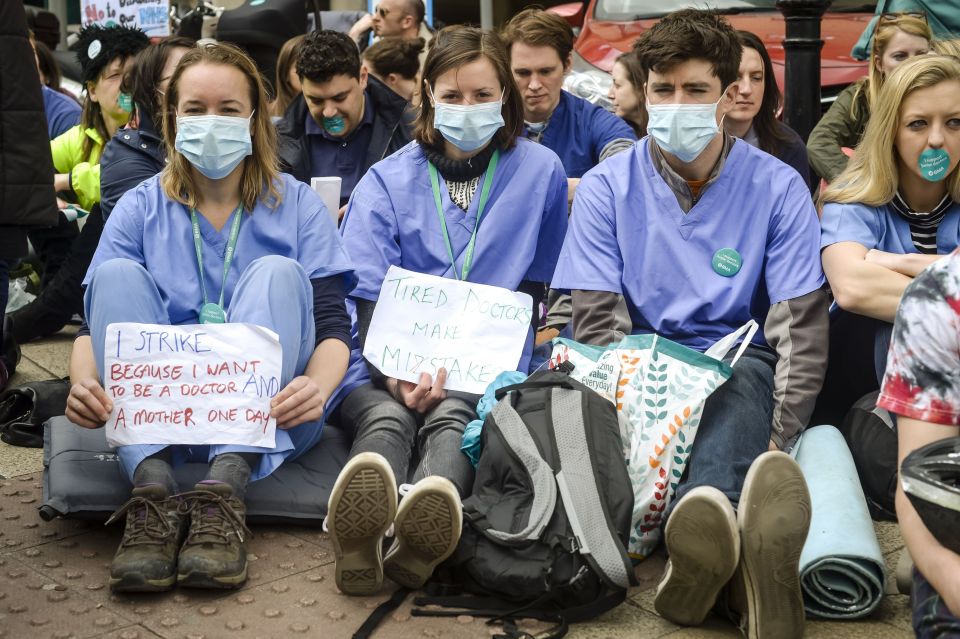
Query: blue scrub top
x: 578, y: 131
x: 628, y: 235
x: 882, y: 228
x: 62, y: 111
x: 392, y: 220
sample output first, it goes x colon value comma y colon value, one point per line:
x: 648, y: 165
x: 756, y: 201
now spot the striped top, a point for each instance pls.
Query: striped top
x: 923, y: 226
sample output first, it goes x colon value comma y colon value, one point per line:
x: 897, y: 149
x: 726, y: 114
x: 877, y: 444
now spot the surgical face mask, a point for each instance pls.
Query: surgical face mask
x: 468, y: 126
x: 934, y: 164
x: 683, y: 130
x: 215, y: 144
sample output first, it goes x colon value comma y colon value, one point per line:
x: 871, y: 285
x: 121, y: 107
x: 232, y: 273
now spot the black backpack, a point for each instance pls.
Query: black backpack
x: 547, y: 525
x: 871, y: 435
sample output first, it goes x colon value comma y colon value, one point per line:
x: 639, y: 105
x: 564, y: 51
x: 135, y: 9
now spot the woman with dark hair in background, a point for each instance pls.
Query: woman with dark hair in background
x: 287, y: 84
x: 396, y: 63
x: 626, y: 92
x: 754, y: 119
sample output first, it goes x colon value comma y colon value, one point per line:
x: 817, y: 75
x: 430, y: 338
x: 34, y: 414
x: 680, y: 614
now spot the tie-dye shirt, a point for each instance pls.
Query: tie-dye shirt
x: 923, y: 368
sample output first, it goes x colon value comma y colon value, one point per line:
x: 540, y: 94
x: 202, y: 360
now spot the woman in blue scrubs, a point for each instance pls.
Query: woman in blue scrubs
x: 466, y: 200
x: 219, y: 235
x: 895, y: 210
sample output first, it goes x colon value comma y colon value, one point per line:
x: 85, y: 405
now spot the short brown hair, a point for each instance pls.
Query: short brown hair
x: 691, y: 34
x: 260, y: 169
x: 538, y: 28
x: 451, y: 48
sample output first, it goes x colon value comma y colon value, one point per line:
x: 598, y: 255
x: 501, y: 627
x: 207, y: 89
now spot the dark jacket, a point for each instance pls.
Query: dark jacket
x: 26, y: 169
x: 391, y: 130
x: 840, y: 127
x: 130, y: 157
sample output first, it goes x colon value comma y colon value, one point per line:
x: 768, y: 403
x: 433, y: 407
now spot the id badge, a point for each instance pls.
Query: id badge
x: 212, y: 314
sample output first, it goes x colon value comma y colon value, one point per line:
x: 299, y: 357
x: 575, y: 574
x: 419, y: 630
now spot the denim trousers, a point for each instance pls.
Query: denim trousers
x: 273, y: 292
x: 381, y: 424
x: 931, y: 617
x: 734, y: 429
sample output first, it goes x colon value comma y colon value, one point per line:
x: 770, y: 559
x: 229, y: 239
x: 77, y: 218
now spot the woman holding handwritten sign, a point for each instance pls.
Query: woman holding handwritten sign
x: 466, y: 200
x: 218, y: 236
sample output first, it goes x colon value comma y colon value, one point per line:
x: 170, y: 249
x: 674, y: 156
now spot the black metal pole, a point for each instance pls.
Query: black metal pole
x: 802, y: 74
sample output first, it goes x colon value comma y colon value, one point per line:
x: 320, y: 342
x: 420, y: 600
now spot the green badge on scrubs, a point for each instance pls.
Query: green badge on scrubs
x: 211, y: 313
x: 727, y: 262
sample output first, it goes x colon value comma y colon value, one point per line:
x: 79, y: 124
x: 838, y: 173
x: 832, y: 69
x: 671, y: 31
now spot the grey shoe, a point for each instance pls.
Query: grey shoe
x: 774, y: 517
x: 704, y: 546
x: 146, y: 560
x: 361, y: 508
x: 427, y: 531
x: 213, y: 555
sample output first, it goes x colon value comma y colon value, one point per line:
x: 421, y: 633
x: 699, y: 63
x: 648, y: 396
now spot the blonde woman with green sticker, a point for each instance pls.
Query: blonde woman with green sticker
x: 894, y: 210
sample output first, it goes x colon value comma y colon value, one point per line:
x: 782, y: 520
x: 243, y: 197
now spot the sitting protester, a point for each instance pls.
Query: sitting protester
x: 468, y: 201
x: 894, y: 211
x: 665, y: 226
x: 105, y: 53
x: 396, y: 63
x: 925, y: 347
x: 626, y: 92
x: 287, y: 83
x: 754, y: 119
x: 344, y: 121
x: 264, y: 251
x: 898, y: 37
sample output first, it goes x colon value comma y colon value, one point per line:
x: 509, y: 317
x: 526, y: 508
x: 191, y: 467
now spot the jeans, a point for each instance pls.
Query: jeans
x: 735, y: 428
x: 273, y: 292
x: 931, y: 617
x: 881, y: 346
x: 380, y: 424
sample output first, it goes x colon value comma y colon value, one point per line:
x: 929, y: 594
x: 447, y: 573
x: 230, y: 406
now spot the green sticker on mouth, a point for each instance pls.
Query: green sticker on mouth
x: 934, y: 164
x: 727, y: 262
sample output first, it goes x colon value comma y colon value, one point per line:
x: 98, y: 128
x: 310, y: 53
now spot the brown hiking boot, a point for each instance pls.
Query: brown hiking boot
x: 213, y: 555
x: 146, y: 560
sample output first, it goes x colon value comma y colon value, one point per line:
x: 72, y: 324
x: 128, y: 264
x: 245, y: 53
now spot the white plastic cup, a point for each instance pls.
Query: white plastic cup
x: 328, y: 188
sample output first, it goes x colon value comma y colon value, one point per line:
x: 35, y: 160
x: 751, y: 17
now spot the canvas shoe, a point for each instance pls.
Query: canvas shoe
x: 362, y: 506
x: 774, y: 517
x: 214, y: 554
x: 703, y: 545
x: 146, y: 560
x: 427, y: 531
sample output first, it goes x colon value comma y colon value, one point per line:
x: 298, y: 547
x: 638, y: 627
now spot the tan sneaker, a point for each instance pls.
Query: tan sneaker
x: 774, y: 517
x: 362, y: 506
x: 703, y: 544
x: 427, y: 531
x: 213, y: 555
x: 146, y: 560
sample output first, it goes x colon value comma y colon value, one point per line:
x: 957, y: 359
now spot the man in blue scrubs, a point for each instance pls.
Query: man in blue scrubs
x: 62, y: 111
x: 345, y: 120
x: 701, y: 233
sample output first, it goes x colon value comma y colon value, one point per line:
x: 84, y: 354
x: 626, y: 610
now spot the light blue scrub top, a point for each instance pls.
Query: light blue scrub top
x: 392, y: 220
x: 628, y: 235
x: 882, y: 228
x: 156, y: 232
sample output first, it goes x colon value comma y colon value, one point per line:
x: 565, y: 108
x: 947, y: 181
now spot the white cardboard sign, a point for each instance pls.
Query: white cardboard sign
x: 423, y: 323
x: 191, y: 384
x: 151, y: 16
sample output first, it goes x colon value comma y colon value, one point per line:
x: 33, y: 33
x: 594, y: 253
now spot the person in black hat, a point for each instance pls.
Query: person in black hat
x: 104, y: 54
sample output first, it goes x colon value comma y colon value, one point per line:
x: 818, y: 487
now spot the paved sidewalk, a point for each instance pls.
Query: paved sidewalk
x: 53, y: 578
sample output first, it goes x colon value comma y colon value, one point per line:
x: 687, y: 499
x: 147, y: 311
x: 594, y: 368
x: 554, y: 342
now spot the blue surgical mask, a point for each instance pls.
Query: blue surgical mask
x: 683, y: 130
x: 215, y: 144
x: 934, y: 164
x: 468, y: 126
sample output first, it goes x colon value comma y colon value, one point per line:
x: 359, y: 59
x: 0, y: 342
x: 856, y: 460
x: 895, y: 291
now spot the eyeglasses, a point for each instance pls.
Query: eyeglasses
x: 886, y: 18
x: 380, y: 11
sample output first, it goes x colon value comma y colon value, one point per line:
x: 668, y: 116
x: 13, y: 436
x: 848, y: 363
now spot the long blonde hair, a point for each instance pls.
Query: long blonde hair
x: 950, y: 46
x: 872, y: 176
x: 260, y: 169
x: 869, y: 88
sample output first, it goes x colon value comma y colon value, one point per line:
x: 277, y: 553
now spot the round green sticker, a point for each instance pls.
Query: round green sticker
x: 727, y: 262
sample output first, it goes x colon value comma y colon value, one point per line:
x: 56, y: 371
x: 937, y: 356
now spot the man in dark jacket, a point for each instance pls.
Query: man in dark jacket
x: 344, y: 121
x: 26, y: 169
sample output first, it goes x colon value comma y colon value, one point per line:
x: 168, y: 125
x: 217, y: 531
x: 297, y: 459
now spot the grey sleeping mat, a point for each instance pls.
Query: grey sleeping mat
x: 82, y: 478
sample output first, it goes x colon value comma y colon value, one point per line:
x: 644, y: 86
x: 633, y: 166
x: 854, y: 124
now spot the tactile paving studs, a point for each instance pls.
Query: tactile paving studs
x: 272, y: 613
x: 234, y: 624
x: 336, y: 615
x: 208, y: 611
x: 308, y: 601
x: 169, y: 622
x: 280, y: 588
x: 246, y: 598
x: 130, y: 633
x: 299, y: 627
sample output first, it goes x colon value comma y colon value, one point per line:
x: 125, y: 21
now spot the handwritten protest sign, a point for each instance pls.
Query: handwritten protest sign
x: 192, y: 384
x: 423, y: 323
x: 151, y: 16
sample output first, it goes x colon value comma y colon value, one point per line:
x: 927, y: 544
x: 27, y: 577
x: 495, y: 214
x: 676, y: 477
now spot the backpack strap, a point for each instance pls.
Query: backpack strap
x: 518, y: 439
x: 580, y: 493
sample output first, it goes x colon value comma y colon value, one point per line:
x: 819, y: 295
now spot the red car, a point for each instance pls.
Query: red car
x: 609, y: 27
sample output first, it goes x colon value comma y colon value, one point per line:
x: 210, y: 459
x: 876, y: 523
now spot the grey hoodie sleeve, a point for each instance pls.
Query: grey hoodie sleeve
x: 798, y: 330
x: 599, y: 317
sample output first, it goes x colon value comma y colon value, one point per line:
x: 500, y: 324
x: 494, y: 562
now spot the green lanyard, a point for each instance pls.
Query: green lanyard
x: 484, y: 194
x: 214, y: 313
